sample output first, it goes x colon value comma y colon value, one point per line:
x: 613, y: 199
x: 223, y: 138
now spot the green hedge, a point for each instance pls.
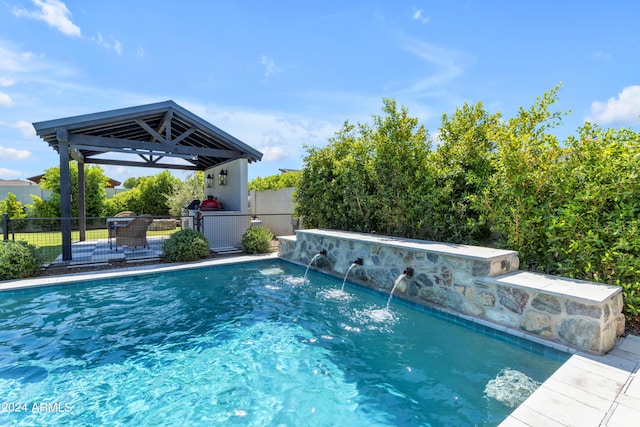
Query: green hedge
x: 570, y: 208
x: 185, y: 245
x: 18, y: 260
x: 256, y: 240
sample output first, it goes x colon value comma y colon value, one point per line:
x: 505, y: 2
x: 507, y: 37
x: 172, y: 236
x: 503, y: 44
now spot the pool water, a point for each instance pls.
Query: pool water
x: 247, y: 344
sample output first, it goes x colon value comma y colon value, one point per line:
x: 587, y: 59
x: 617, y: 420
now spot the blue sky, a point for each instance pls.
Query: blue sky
x: 279, y: 75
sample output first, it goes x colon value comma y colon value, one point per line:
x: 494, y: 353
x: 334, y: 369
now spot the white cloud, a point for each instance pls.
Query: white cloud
x: 110, y: 44
x: 5, y: 100
x: 623, y: 109
x: 54, y: 12
x: 418, y: 15
x: 12, y: 60
x: 9, y: 173
x: 6, y: 81
x: 273, y: 154
x: 275, y: 135
x: 269, y: 65
x: 273, y: 147
x: 448, y: 65
x: 25, y: 128
x: 14, y: 154
x: 601, y: 55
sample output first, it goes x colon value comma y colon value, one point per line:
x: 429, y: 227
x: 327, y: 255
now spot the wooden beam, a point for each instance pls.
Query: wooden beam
x: 62, y: 135
x: 151, y: 130
x: 141, y: 165
x: 167, y: 130
x: 104, y: 144
x: 76, y: 155
x: 82, y: 209
x: 184, y: 135
x: 65, y: 200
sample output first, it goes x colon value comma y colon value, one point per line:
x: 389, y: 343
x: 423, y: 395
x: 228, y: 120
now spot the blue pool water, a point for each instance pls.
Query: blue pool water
x: 245, y: 344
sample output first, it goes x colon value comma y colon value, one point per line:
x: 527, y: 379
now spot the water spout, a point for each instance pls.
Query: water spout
x: 323, y: 252
x: 359, y: 261
x: 407, y: 273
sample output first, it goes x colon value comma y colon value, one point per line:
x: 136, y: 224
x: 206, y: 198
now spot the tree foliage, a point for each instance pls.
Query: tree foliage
x: 570, y: 208
x: 131, y: 182
x: 12, y: 206
x: 275, y: 182
x: 462, y: 166
x: 184, y: 192
x: 517, y: 200
x: 368, y: 178
x: 150, y: 196
x: 95, y: 194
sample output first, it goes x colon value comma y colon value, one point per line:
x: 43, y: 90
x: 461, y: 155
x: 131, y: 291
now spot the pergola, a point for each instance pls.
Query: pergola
x: 142, y: 136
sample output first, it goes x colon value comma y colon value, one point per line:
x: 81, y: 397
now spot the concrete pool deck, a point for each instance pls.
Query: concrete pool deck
x: 585, y: 391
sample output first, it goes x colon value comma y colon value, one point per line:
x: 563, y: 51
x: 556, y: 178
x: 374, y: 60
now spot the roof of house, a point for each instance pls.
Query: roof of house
x: 112, y: 182
x: 15, y: 182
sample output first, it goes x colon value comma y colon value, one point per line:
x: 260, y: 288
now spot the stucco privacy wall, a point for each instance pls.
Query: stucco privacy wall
x: 480, y: 282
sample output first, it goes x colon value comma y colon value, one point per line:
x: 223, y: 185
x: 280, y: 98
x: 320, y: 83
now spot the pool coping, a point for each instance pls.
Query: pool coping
x: 587, y: 390
x: 74, y: 278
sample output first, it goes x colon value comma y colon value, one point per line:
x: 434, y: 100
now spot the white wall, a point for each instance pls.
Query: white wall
x: 23, y: 193
x: 271, y: 201
x: 270, y: 205
x: 233, y: 196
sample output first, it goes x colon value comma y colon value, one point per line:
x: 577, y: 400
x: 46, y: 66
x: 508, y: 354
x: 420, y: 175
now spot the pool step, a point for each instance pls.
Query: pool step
x: 226, y: 250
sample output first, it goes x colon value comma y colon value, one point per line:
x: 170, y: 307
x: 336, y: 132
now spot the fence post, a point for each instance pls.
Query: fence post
x: 5, y: 226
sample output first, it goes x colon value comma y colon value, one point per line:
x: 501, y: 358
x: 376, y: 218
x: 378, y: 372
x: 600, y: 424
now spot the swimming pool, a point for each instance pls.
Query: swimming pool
x: 245, y: 344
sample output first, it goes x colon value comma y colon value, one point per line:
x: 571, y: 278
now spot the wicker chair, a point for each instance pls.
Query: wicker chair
x: 113, y: 225
x: 134, y: 234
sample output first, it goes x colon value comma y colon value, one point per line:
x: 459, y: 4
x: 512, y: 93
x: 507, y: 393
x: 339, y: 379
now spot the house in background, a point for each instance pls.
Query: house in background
x: 22, y: 190
x: 111, y: 187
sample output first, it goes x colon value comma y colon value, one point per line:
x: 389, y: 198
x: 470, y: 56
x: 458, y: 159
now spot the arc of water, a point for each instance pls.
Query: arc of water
x: 347, y: 274
x: 395, y: 285
x: 315, y: 257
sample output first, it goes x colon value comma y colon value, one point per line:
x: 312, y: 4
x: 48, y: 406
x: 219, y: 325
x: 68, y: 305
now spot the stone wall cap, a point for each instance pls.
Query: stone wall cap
x: 466, y: 251
x: 562, y: 286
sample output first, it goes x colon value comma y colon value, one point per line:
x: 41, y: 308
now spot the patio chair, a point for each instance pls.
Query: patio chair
x: 134, y: 234
x: 112, y: 224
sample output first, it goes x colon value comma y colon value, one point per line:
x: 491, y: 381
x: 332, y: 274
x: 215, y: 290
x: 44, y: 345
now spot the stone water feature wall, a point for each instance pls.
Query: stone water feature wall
x: 482, y: 283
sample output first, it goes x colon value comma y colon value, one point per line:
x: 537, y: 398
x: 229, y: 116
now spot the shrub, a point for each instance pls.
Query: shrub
x: 18, y: 260
x: 185, y: 245
x: 256, y: 240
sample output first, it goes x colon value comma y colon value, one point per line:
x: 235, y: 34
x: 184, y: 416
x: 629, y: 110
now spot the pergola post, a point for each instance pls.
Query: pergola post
x: 65, y: 200
x: 82, y: 210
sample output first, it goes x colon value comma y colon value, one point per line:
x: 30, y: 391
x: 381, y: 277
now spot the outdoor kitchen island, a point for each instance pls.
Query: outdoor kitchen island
x: 229, y: 217
x: 224, y: 229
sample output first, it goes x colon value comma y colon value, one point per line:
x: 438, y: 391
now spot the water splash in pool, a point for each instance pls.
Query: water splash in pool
x: 511, y: 387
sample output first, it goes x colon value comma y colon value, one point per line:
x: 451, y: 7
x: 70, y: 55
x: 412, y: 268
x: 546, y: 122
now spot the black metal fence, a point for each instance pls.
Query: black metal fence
x: 94, y: 240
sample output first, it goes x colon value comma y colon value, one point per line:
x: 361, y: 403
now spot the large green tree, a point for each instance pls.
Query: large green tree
x: 150, y: 196
x: 95, y: 194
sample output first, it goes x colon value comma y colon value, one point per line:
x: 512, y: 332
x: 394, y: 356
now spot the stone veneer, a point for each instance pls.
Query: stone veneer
x: 480, y: 282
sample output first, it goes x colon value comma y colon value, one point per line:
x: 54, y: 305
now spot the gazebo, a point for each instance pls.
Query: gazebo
x: 152, y: 135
